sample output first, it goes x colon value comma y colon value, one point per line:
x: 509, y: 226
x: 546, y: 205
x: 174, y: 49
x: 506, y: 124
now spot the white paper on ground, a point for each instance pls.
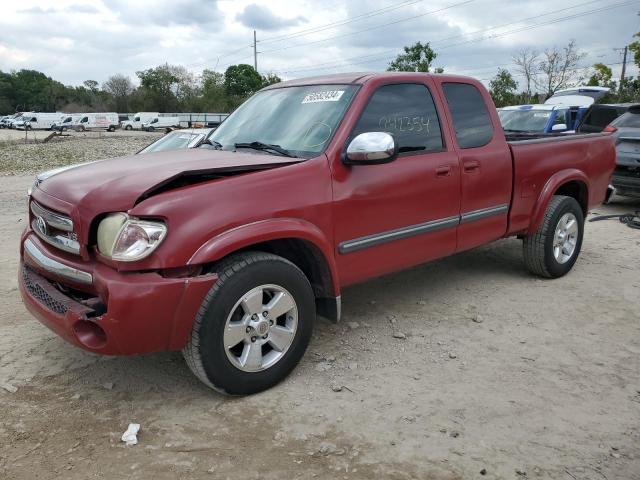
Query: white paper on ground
x: 130, y: 436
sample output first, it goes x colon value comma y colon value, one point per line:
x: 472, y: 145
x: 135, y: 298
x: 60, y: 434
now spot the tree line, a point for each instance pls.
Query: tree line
x: 166, y: 88
x: 542, y: 73
x: 173, y: 88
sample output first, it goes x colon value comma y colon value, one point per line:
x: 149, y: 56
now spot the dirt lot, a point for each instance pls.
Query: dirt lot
x: 501, y: 375
x: 73, y: 147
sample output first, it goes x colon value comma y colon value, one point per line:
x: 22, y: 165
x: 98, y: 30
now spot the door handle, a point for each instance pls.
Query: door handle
x: 471, y: 166
x: 443, y: 171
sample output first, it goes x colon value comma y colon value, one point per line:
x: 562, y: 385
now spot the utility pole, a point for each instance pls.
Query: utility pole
x: 624, y: 65
x: 255, y: 52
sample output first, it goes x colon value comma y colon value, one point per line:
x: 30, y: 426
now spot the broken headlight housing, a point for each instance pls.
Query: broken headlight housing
x: 127, y: 239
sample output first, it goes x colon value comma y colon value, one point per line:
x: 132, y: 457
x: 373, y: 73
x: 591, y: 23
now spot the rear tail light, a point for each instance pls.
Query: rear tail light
x: 609, y: 129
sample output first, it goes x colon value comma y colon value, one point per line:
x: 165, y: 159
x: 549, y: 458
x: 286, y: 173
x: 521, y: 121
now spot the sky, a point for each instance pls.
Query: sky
x: 72, y: 41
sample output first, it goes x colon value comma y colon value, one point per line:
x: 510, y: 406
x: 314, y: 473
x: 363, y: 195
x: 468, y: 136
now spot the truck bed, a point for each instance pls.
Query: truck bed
x: 536, y: 159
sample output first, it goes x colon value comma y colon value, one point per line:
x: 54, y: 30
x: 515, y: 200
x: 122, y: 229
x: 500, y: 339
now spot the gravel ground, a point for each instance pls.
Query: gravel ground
x: 18, y: 157
x: 464, y: 368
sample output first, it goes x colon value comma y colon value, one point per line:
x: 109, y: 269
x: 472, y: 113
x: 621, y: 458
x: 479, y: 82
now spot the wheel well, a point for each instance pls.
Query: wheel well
x: 576, y: 190
x: 306, y: 256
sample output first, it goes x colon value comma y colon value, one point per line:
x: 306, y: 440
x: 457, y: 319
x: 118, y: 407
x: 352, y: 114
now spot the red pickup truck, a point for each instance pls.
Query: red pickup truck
x: 228, y: 251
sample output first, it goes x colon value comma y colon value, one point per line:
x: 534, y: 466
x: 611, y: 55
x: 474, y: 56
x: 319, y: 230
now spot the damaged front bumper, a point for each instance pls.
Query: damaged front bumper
x: 99, y: 309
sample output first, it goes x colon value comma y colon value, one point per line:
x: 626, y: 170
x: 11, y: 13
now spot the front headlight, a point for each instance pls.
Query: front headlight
x: 128, y: 239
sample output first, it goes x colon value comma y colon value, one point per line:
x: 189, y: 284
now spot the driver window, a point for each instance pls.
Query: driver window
x: 408, y: 112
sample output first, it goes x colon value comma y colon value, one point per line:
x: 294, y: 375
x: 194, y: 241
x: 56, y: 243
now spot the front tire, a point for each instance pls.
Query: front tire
x: 553, y: 250
x: 253, y: 326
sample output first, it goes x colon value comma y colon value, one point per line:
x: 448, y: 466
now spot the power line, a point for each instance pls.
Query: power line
x: 455, y: 36
x: 385, y: 56
x: 316, y: 29
x: 328, y: 26
x: 372, y: 28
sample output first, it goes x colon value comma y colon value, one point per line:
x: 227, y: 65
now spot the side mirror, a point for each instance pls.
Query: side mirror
x: 559, y: 127
x: 371, y: 148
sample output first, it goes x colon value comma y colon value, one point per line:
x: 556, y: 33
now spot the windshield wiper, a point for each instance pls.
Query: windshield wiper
x: 213, y: 143
x: 266, y: 147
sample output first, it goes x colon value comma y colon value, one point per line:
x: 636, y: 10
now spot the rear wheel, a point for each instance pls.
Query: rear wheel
x: 253, y: 326
x: 128, y: 127
x: 553, y: 250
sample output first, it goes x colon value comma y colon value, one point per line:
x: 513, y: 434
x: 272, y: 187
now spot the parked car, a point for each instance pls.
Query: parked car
x: 227, y: 253
x: 137, y: 121
x: 175, y: 140
x: 5, y: 121
x: 536, y: 119
x: 626, y: 131
x: 581, y: 96
x: 160, y: 123
x: 37, y: 121
x: 178, y: 140
x: 67, y: 122
x: 97, y: 121
x: 17, y: 118
x: 599, y: 115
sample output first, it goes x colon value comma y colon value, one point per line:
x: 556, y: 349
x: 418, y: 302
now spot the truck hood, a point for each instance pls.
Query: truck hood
x: 120, y: 183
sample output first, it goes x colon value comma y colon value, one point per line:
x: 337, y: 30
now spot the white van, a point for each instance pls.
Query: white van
x: 66, y: 122
x: 161, y: 122
x: 37, y: 121
x: 138, y: 119
x: 95, y: 121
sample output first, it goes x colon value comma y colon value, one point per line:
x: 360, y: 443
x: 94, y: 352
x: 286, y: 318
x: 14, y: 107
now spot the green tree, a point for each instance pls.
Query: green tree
x: 503, y: 88
x: 213, y: 91
x: 416, y: 58
x: 270, y: 79
x: 242, y: 80
x: 634, y: 47
x: 601, y: 76
x: 158, y: 88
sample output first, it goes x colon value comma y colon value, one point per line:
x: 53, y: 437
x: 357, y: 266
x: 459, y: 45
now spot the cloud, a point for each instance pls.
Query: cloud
x: 81, y: 39
x: 167, y: 12
x: 261, y: 18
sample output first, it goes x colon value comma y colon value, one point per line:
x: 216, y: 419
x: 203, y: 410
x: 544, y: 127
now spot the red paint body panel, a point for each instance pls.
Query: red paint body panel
x: 259, y: 197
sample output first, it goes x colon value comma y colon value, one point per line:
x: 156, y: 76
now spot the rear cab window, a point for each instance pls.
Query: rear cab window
x: 469, y: 114
x: 408, y: 112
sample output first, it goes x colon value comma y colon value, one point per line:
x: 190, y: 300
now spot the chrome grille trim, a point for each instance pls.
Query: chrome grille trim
x: 58, y: 241
x: 54, y: 219
x: 53, y: 266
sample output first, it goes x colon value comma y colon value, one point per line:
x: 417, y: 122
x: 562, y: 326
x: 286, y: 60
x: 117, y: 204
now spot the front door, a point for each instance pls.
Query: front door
x: 405, y: 212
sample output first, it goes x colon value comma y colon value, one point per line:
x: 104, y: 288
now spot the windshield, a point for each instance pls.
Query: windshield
x: 298, y: 119
x: 173, y: 141
x: 524, y: 120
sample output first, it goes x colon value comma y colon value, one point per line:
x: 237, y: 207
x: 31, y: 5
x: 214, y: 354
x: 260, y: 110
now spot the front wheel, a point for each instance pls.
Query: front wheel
x: 553, y: 250
x: 253, y: 326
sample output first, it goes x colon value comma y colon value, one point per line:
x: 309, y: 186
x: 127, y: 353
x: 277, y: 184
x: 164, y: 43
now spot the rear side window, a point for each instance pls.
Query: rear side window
x: 628, y: 120
x: 407, y: 111
x: 469, y: 114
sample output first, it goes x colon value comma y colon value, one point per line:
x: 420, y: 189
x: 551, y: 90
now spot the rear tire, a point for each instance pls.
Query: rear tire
x: 553, y: 250
x: 128, y: 127
x: 217, y: 359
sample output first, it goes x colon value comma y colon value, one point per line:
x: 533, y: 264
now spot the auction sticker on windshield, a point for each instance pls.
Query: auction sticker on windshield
x: 327, y: 96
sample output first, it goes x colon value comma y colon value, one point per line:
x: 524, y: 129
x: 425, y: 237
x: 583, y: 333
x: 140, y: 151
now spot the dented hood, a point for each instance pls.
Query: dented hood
x: 118, y: 184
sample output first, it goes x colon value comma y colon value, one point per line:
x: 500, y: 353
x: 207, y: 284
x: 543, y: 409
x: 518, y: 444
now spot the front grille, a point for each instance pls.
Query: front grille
x: 54, y: 228
x: 44, y: 297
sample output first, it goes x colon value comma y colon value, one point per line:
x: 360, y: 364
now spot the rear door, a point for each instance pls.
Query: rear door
x: 391, y: 216
x: 486, y: 168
